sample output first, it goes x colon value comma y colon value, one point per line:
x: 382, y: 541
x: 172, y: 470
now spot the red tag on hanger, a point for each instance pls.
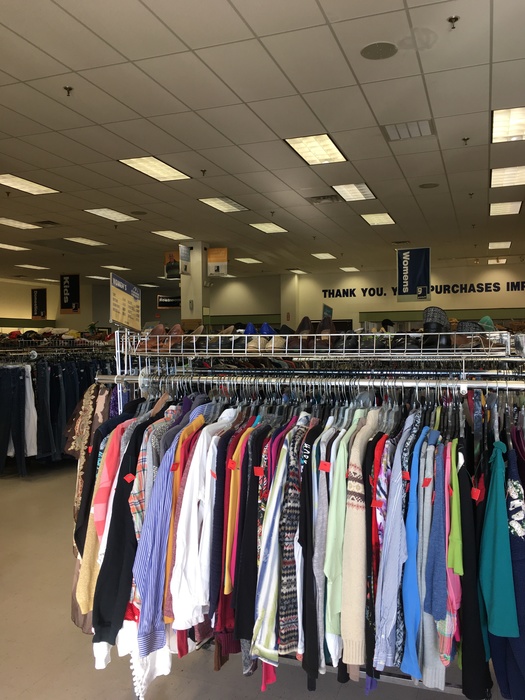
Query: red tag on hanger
x: 258, y: 471
x: 129, y: 478
x: 90, y: 449
x: 406, y: 476
x: 174, y: 466
x: 232, y: 464
x: 475, y: 493
x: 426, y: 482
x: 214, y: 475
x: 376, y: 504
x: 450, y: 491
x: 324, y: 466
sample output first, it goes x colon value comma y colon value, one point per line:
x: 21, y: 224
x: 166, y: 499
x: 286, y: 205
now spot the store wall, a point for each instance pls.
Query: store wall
x: 250, y: 296
x: 149, y: 312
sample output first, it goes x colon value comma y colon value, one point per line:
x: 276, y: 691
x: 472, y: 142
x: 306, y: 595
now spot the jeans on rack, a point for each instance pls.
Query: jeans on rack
x: 57, y: 396
x: 70, y: 376
x: 45, y: 439
x: 12, y: 415
x: 84, y: 376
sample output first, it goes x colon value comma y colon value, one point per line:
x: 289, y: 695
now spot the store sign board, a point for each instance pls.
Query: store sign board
x: 185, y: 259
x: 124, y: 303
x: 69, y: 294
x: 39, y: 304
x: 413, y: 274
x: 168, y: 301
x: 217, y: 262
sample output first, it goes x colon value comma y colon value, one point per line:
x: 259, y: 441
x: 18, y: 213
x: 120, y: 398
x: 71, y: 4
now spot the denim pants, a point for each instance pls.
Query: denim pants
x: 57, y: 396
x: 45, y: 439
x: 12, y: 415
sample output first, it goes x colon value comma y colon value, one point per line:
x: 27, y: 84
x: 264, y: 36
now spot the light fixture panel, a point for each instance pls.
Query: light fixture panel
x: 316, y: 150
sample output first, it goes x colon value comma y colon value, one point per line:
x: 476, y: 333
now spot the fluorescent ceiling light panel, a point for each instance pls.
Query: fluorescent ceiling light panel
x: 111, y: 214
x: 249, y: 261
x: 155, y: 168
x: 508, y: 177
x: 316, y: 150
x: 115, y: 267
x: 224, y: 204
x: 508, y: 124
x: 498, y: 245
x: 409, y: 130
x: 324, y: 256
x: 354, y: 193
x: 173, y: 235
x: 85, y: 241
x: 378, y: 219
x: 231, y: 276
x: 153, y: 286
x: 297, y: 271
x: 18, y: 183
x: 497, y: 261
x: 17, y: 224
x: 6, y: 246
x: 269, y: 228
x: 33, y: 267
x: 97, y: 277
x: 504, y: 208
x: 45, y: 279
x: 349, y: 269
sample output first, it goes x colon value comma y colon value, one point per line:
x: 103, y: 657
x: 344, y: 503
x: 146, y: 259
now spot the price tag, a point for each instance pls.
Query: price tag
x: 258, y: 471
x: 324, y: 466
x: 426, y: 482
x: 129, y: 478
x: 213, y: 474
x: 376, y: 504
x: 450, y: 491
x: 475, y: 493
x: 406, y: 476
x: 232, y: 464
x: 174, y: 466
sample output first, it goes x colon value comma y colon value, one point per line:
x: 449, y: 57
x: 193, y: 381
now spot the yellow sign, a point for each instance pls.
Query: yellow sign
x: 217, y: 262
x: 124, y: 303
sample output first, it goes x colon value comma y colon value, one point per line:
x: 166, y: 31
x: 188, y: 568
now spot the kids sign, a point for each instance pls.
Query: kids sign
x: 124, y: 303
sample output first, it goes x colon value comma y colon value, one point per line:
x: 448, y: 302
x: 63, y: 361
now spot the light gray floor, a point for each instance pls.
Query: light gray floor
x: 43, y: 656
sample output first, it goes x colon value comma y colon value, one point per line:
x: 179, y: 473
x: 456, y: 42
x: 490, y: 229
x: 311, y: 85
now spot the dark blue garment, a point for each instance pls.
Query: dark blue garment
x: 12, y: 415
x: 436, y: 573
x: 44, y: 434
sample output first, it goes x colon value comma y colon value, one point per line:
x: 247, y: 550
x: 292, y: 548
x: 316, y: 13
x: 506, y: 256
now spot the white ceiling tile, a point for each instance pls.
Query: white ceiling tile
x: 146, y: 135
x: 264, y: 182
x: 476, y: 181
x: 62, y: 146
x: 422, y: 144
x: 359, y: 144
x: 378, y: 169
x: 109, y: 145
x: 118, y: 172
x: 275, y: 16
x: 222, y: 25
x: 466, y: 159
x: 238, y: 123
x: 256, y: 202
x: 505, y: 155
x: 25, y: 61
x: 192, y: 163
x: 506, y: 194
x: 399, y: 100
x: 338, y: 173
x: 190, y: 80
x: 415, y: 182
x: 25, y: 99
x: 232, y: 159
x: 125, y: 82
x: 337, y: 10
x: 64, y: 38
x: 52, y: 179
x: 228, y: 185
x: 86, y: 99
x: 393, y: 27
x: 248, y: 70
x: 390, y: 189
x: 129, y: 194
x: 127, y: 26
x: 274, y: 155
x: 288, y: 116
x: 16, y: 124
x: 15, y: 166
x: 31, y: 154
x: 311, y: 59
x: 475, y: 127
x: 460, y: 91
x: 342, y: 108
x: 192, y: 130
x: 421, y: 164
x: 85, y: 177
x: 509, y: 18
x: 508, y: 86
x: 305, y: 181
x: 287, y: 198
x: 440, y: 47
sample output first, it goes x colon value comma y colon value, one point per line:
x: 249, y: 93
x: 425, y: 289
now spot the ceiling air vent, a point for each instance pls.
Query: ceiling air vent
x: 409, y: 130
x: 325, y: 199
x: 46, y: 224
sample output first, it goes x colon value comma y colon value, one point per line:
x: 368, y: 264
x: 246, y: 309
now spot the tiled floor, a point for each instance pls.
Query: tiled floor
x: 43, y: 656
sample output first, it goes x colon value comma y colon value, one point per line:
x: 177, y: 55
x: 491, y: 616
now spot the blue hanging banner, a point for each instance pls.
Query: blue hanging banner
x: 413, y: 274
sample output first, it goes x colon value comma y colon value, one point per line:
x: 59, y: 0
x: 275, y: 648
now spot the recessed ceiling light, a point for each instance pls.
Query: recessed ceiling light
x: 379, y: 50
x: 45, y: 279
x: 173, y: 235
x: 408, y: 130
x: 224, y: 204
x: 153, y: 286
x: 25, y: 185
x: 111, y: 214
x: 97, y: 277
x: 6, y: 246
x: 85, y: 241
x: 349, y: 269
x: 428, y: 185
x: 115, y: 267
x: 324, y: 256
x: 508, y: 124
x: 33, y: 267
x: 155, y: 168
x: 504, y: 208
x: 378, y: 219
x: 316, y: 150
x: 17, y: 224
x: 296, y: 271
x: 354, y: 193
x: 499, y: 245
x: 497, y: 261
x: 269, y: 228
x: 249, y: 261
x: 507, y: 177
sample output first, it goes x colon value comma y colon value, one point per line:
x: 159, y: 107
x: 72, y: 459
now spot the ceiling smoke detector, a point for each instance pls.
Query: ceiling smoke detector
x: 428, y: 185
x: 379, y: 50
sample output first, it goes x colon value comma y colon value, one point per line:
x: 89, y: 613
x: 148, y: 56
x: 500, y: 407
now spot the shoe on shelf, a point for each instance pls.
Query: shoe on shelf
x: 173, y: 339
x: 189, y: 341
x: 266, y: 329
x: 250, y: 329
x: 227, y: 331
x: 152, y: 342
x: 276, y: 344
x: 257, y: 344
x: 305, y: 326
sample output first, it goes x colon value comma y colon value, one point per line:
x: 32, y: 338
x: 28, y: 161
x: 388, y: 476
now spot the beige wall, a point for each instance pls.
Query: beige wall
x: 247, y: 295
